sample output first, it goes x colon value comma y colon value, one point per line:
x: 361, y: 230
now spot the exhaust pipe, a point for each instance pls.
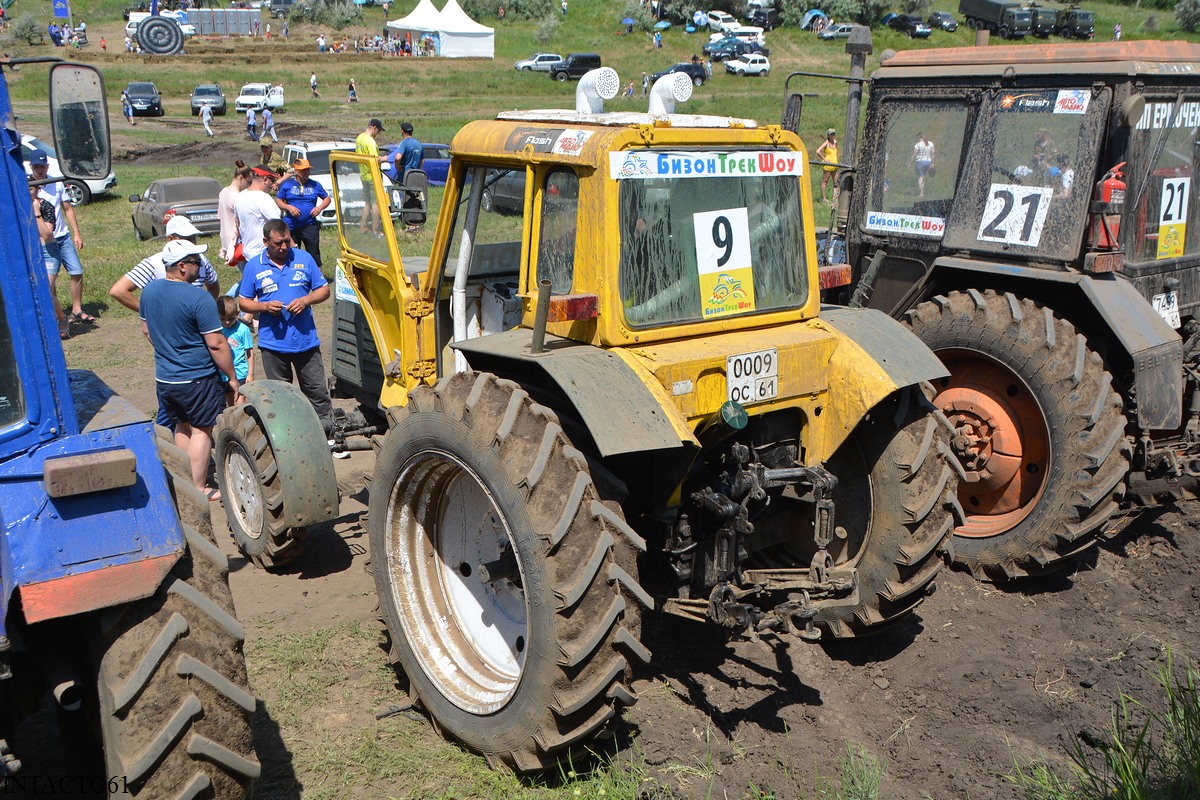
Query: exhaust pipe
x: 669, y: 90
x: 594, y: 88
x: 62, y: 679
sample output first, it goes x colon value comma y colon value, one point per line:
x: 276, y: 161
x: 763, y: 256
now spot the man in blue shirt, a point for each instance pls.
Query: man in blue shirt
x: 302, y: 201
x: 411, y: 153
x: 182, y: 324
x: 279, y: 284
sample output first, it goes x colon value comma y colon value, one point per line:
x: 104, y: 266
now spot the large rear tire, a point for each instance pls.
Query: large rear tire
x: 174, y: 701
x: 527, y: 666
x: 252, y: 490
x: 895, y: 498
x: 1040, y: 431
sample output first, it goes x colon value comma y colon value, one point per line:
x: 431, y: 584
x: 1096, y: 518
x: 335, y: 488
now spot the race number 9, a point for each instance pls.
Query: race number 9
x: 722, y: 239
x: 1015, y: 214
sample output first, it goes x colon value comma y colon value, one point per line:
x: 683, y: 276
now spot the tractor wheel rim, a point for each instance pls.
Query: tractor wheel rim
x: 471, y: 637
x: 244, y: 494
x: 1002, y: 440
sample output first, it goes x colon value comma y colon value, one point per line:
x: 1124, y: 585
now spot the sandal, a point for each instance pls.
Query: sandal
x: 83, y: 317
x: 412, y: 229
x: 214, y: 495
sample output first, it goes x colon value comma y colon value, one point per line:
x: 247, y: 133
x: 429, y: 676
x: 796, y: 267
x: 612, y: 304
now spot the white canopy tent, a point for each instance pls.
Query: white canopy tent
x: 459, y: 35
x: 423, y: 19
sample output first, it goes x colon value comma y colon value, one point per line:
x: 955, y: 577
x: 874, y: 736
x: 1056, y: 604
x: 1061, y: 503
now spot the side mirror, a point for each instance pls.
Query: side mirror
x: 79, y: 121
x: 135, y: 198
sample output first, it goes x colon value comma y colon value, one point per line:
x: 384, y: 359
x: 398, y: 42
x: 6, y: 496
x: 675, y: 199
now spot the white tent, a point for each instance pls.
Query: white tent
x: 463, y: 37
x: 423, y: 19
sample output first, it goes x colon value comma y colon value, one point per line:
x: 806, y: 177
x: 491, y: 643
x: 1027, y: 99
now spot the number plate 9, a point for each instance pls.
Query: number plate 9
x: 753, y: 377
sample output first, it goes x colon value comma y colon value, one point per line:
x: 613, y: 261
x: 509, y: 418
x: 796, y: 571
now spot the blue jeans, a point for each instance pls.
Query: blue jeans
x: 62, y: 253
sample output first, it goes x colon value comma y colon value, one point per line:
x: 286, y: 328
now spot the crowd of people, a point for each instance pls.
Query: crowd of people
x: 425, y: 45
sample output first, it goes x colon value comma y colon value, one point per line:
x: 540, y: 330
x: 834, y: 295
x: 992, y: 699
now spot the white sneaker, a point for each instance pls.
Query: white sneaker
x: 338, y: 454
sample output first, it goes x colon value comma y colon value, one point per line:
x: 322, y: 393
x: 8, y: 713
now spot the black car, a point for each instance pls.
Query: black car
x: 694, y: 71
x: 731, y: 47
x: 575, y: 66
x: 943, y: 20
x: 911, y: 24
x: 208, y: 94
x: 145, y: 98
x: 766, y: 18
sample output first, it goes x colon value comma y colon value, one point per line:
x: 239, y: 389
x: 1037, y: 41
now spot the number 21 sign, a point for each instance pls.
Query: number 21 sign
x: 1172, y: 217
x: 1015, y: 214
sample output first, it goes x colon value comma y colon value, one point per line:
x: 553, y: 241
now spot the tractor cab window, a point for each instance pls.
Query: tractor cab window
x: 12, y: 398
x: 557, y: 229
x: 360, y: 213
x: 696, y: 246
x: 912, y: 182
x: 1162, y: 219
x: 1026, y: 174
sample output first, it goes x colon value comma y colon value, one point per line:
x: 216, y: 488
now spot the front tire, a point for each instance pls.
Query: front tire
x: 76, y: 193
x: 487, y: 202
x: 1039, y: 427
x: 561, y: 77
x: 174, y: 700
x: 533, y: 663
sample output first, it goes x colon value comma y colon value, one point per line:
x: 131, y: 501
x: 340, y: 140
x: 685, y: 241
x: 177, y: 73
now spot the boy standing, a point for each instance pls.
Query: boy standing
x: 241, y: 342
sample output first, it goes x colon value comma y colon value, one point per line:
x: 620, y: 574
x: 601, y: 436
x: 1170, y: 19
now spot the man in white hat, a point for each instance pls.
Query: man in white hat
x: 190, y: 355
x: 124, y: 291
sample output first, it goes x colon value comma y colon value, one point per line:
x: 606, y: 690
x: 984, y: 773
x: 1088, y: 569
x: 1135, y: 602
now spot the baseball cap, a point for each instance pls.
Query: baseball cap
x: 406, y: 127
x: 181, y: 226
x: 831, y: 130
x: 265, y: 173
x: 265, y: 141
x: 376, y: 124
x: 38, y: 157
x: 178, y: 250
x: 301, y: 163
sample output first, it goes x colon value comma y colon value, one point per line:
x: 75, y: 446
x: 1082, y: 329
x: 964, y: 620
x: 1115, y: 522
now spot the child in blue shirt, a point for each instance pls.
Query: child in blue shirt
x: 241, y: 340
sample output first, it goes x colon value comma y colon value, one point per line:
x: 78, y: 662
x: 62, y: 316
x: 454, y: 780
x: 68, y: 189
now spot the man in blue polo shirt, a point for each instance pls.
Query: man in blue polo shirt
x: 279, y: 284
x: 182, y: 324
x: 303, y: 200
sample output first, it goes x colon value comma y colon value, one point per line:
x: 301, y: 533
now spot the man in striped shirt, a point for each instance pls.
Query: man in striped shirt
x: 124, y: 291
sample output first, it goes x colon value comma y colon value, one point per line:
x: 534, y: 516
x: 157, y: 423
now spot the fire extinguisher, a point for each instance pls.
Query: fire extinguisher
x: 1108, y: 201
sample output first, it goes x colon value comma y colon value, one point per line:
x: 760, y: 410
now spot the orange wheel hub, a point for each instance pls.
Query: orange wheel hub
x: 1001, y: 439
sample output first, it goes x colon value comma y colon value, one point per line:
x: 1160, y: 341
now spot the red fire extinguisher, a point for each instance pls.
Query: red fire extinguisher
x: 1107, y: 204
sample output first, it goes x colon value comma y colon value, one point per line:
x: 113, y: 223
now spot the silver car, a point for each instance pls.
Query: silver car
x: 538, y: 62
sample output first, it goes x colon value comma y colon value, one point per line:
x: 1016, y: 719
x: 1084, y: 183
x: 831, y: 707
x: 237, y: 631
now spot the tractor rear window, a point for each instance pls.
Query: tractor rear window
x: 696, y: 248
x: 1163, y: 221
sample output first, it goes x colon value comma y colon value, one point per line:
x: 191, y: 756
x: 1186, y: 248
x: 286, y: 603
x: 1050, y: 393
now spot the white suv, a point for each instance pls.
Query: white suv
x: 317, y: 154
x: 77, y: 192
x: 259, y: 96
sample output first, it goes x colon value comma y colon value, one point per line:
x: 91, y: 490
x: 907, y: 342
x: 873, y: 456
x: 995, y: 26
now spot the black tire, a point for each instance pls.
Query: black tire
x: 561, y: 77
x: 1018, y: 368
x: 548, y: 662
x: 162, y: 112
x: 488, y: 201
x: 76, y: 192
x: 252, y: 490
x: 174, y: 700
x: 697, y: 81
x: 896, y: 500
x: 160, y: 36
x: 138, y: 232
x: 1002, y: 32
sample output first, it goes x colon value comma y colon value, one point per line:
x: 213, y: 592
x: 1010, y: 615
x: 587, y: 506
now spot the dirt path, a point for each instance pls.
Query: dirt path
x: 978, y: 677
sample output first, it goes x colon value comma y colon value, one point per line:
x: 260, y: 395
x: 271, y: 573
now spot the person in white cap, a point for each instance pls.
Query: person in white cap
x: 124, y: 291
x: 190, y: 355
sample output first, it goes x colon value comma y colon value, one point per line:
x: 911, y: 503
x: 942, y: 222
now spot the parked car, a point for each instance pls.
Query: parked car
x: 538, y: 62
x: 194, y: 198
x: 750, y: 33
x: 749, y: 64
x: 719, y: 20
x: 911, y: 24
x: 435, y: 161
x: 317, y: 154
x: 943, y: 20
x: 731, y: 47
x: 838, y: 31
x: 574, y: 66
x: 145, y: 98
x: 694, y: 71
x: 503, y: 191
x: 78, y: 192
x: 259, y: 96
x: 209, y: 94
x: 766, y: 18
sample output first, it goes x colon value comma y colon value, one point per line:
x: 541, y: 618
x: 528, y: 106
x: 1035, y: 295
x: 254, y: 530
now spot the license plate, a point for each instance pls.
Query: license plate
x: 203, y: 217
x: 753, y: 377
x: 1167, y: 306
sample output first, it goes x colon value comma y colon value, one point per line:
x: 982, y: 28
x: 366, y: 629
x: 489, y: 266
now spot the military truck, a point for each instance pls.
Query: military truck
x: 1005, y: 18
x: 1074, y: 22
x: 1042, y: 19
x: 624, y: 398
x: 1048, y: 254
x: 115, y: 598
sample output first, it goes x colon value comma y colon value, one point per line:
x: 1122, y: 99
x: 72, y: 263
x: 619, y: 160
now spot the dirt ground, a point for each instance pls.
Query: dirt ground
x: 978, y: 677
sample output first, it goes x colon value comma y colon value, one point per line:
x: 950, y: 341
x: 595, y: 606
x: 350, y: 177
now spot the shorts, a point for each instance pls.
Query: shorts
x: 62, y: 253
x: 197, y: 403
x: 923, y: 168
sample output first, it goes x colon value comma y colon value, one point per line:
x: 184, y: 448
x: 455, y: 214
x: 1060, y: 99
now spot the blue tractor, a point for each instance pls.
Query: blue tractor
x: 115, y: 595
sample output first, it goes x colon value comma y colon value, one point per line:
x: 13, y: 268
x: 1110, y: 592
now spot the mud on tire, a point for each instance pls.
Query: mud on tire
x: 174, y: 701
x: 1033, y: 366
x: 523, y: 668
x: 896, y: 500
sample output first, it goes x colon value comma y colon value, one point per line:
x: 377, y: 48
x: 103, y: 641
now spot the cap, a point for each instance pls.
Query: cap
x: 406, y: 127
x: 375, y: 123
x: 181, y: 226
x: 263, y: 172
x: 830, y: 132
x: 38, y: 157
x: 301, y: 163
x: 178, y: 250
x: 265, y: 141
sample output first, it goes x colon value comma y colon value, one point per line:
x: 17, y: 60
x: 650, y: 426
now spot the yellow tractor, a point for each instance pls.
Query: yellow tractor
x: 611, y: 390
